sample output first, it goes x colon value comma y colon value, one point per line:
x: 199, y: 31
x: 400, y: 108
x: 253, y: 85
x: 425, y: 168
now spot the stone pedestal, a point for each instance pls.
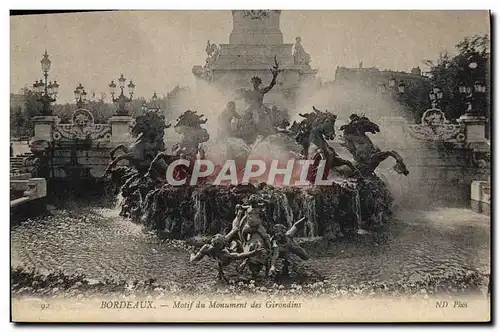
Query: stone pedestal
x: 256, y: 27
x: 44, y: 127
x: 480, y: 192
x: 120, y: 128
x: 475, y: 128
x: 255, y: 40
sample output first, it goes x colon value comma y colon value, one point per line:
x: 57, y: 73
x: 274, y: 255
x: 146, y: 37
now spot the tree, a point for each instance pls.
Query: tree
x: 17, y: 122
x: 448, y: 72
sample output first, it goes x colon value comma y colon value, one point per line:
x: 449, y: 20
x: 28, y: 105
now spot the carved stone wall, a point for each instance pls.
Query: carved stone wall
x: 79, y: 148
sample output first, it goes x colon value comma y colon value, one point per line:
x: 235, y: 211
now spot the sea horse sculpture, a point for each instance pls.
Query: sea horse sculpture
x: 149, y: 130
x: 311, y: 135
x: 189, y: 126
x: 366, y: 155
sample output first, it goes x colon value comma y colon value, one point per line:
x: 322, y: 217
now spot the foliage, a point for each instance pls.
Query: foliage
x: 450, y: 70
x: 101, y: 110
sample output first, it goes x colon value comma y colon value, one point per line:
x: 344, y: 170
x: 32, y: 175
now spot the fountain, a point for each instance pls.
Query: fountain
x: 180, y: 211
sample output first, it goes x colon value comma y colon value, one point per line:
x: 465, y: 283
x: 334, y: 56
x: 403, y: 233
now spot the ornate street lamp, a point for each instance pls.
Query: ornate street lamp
x: 122, y: 99
x: 46, y: 91
x: 392, y: 82
x: 401, y: 87
x: 152, y: 106
x: 471, y: 92
x: 80, y: 96
x: 435, y: 95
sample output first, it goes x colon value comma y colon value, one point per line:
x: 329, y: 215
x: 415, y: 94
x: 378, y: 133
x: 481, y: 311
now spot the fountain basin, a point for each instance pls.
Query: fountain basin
x: 181, y: 212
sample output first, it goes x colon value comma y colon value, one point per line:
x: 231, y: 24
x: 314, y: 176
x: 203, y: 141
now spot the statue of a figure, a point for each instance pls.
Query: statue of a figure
x: 300, y: 56
x: 284, y: 245
x: 255, y: 98
x: 227, y: 123
x: 219, y: 251
x: 212, y: 52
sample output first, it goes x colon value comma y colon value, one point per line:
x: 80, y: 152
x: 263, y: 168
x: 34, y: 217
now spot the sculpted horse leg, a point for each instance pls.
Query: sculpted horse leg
x: 154, y: 166
x: 378, y: 157
x: 128, y: 156
x: 118, y: 147
x: 337, y: 161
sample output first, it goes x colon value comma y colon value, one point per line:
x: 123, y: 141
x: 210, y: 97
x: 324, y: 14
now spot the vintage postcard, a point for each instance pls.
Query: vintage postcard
x: 250, y: 166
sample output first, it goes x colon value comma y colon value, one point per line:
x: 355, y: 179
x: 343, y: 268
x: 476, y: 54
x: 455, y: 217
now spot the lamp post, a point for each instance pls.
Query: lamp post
x: 436, y: 95
x: 122, y: 99
x: 46, y: 91
x: 471, y: 92
x: 80, y: 96
x: 152, y: 106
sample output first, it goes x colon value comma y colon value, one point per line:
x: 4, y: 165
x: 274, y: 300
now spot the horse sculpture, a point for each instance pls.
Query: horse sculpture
x: 149, y: 130
x: 189, y: 126
x: 312, y: 134
x: 366, y: 155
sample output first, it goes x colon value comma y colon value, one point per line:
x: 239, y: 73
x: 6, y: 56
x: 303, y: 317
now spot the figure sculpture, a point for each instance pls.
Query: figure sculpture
x: 248, y: 233
x: 311, y: 135
x: 149, y: 130
x: 366, y: 155
x: 300, y: 56
x: 228, y: 121
x: 218, y: 250
x: 256, y: 111
x: 212, y: 51
x: 284, y: 245
x: 192, y: 135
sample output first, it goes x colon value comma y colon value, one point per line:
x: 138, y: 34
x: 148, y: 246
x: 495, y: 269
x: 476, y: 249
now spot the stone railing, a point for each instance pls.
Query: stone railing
x: 80, y: 147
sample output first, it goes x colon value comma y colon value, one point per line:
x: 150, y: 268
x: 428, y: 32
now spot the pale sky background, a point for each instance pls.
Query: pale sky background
x: 158, y: 49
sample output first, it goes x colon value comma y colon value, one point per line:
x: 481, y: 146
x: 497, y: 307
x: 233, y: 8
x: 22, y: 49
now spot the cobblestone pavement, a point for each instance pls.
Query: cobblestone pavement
x: 441, y: 243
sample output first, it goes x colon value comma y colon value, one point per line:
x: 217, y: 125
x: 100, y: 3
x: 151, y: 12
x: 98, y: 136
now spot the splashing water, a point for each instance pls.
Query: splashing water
x: 200, y: 214
x: 357, y: 206
x: 119, y: 201
x: 311, y: 225
x: 285, y: 208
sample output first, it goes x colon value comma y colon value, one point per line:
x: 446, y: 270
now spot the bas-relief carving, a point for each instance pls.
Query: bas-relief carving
x: 82, y: 127
x: 435, y: 127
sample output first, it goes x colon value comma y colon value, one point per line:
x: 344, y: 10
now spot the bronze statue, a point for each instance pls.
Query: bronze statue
x: 284, y: 245
x: 257, y: 113
x: 249, y: 234
x: 255, y: 97
x: 366, y: 155
x: 311, y: 135
x: 189, y: 126
x: 149, y: 130
x: 217, y: 250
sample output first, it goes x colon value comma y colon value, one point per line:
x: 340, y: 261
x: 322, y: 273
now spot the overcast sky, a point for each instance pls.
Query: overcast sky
x: 158, y: 49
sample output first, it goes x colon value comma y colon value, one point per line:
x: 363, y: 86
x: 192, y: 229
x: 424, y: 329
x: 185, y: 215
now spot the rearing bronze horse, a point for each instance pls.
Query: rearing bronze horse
x: 189, y: 126
x: 368, y: 156
x: 312, y: 134
x: 149, y: 130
